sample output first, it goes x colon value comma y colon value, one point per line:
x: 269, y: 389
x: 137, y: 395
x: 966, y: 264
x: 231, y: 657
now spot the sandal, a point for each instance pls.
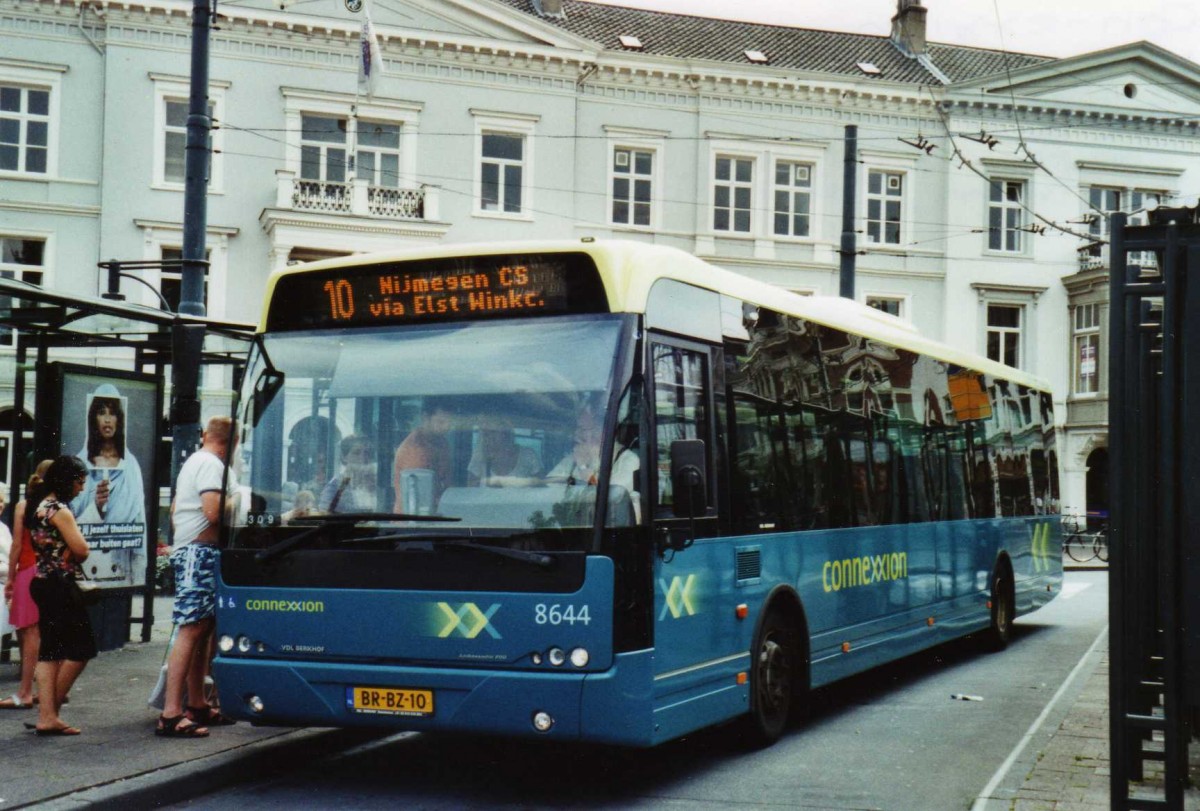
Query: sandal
x: 209, y: 716
x: 14, y: 702
x: 52, y: 731
x: 175, y: 728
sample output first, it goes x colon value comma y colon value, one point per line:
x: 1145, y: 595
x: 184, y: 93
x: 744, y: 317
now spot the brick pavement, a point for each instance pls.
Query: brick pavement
x: 1072, y: 771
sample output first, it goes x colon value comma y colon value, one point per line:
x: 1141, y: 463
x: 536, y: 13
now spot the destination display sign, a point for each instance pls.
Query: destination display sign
x: 422, y: 291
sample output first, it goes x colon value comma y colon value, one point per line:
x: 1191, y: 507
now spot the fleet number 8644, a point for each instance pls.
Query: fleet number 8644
x: 558, y: 614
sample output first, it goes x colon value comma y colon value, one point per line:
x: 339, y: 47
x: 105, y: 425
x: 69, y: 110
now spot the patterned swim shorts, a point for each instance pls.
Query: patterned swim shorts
x: 195, y: 582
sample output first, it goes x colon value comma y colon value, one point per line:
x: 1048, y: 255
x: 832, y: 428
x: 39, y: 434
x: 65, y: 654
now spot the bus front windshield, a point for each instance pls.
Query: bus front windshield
x: 497, y: 426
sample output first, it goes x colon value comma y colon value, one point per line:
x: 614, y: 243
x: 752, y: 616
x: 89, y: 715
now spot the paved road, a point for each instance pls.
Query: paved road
x: 892, y: 739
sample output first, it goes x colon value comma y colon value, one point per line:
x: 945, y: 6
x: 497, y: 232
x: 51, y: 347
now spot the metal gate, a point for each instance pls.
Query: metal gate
x: 1154, y: 565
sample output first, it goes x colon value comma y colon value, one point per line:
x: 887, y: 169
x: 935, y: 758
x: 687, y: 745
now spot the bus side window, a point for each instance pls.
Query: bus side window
x: 680, y: 408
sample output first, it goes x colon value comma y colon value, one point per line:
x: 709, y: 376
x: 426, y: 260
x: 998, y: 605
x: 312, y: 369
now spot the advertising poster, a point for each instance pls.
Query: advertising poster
x: 110, y: 421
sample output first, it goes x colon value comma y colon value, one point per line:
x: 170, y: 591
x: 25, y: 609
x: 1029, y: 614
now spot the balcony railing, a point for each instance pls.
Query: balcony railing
x: 1096, y: 256
x: 356, y: 198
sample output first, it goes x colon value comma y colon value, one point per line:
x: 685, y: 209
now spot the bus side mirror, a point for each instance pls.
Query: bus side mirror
x: 688, y: 486
x: 266, y: 387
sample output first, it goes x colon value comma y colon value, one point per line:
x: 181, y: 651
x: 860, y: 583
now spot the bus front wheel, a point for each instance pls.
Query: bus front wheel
x: 773, y: 678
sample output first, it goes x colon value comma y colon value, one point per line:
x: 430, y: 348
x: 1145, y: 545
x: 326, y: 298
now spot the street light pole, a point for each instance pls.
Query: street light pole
x: 187, y: 341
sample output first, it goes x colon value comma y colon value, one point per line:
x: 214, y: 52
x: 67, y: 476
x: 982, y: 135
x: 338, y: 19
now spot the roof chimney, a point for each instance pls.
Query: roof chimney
x: 549, y: 8
x: 908, y: 27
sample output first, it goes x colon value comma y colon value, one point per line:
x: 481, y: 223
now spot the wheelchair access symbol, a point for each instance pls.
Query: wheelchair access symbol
x: 467, y: 620
x: 679, y: 597
x: 1041, y: 548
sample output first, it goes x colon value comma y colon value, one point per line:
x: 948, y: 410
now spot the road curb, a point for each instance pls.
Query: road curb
x: 191, y: 779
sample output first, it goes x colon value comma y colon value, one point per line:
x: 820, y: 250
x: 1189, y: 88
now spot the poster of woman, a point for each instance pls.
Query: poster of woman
x: 116, y: 427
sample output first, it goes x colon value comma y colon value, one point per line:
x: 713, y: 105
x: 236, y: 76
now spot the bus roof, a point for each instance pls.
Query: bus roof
x: 629, y: 269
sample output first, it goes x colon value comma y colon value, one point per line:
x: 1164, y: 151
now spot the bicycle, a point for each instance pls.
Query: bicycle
x: 1082, y: 545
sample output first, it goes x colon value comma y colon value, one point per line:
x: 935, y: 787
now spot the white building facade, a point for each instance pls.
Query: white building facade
x: 980, y: 175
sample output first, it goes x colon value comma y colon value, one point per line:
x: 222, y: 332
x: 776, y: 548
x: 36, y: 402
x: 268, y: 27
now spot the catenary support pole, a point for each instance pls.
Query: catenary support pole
x: 849, y: 239
x: 188, y: 341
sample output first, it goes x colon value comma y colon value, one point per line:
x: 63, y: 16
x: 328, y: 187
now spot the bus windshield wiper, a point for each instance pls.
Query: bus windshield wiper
x: 362, y: 518
x: 338, y: 519
x: 536, y: 558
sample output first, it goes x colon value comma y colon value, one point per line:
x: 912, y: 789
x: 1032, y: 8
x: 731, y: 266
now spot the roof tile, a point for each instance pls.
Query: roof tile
x: 683, y: 36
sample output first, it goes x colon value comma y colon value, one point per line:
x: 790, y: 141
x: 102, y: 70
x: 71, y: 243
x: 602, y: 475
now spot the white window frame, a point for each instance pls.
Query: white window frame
x: 406, y: 114
x: 1085, y: 329
x: 1010, y: 295
x: 792, y: 190
x: 1005, y: 206
x: 325, y: 146
x: 765, y: 156
x: 47, y: 240
x: 883, y: 198
x: 639, y: 140
x: 901, y: 164
x: 379, y: 151
x: 177, y: 89
x: 158, y: 235
x: 902, y: 299
x: 38, y: 76
x: 755, y: 211
x: 492, y: 122
x: 1019, y: 331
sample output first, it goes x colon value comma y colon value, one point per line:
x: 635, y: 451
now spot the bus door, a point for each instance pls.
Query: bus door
x: 691, y: 567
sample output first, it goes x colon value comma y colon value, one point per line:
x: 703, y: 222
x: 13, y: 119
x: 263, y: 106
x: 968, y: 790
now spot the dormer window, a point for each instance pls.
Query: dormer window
x: 757, y: 56
x: 630, y: 42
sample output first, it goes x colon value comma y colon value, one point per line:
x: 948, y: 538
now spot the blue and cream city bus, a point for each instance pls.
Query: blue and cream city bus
x: 606, y: 491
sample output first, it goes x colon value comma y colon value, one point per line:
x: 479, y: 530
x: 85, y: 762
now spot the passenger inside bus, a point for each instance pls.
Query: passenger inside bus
x: 421, y: 469
x: 353, y: 490
x: 498, y: 461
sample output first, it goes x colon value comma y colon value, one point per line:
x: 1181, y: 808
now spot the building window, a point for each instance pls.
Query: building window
x: 732, y: 192
x: 1087, y: 348
x: 1104, y: 202
x: 1006, y: 215
x: 323, y: 148
x: 170, y: 127
x: 502, y: 172
x: 891, y: 305
x: 377, y: 157
x: 1111, y: 200
x: 1004, y: 334
x: 22, y: 259
x: 885, y: 198
x: 175, y: 114
x: 793, y: 198
x: 171, y: 278
x: 24, y: 129
x: 632, y: 184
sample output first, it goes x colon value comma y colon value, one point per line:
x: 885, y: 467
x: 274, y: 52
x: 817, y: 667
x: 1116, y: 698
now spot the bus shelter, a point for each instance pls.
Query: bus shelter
x: 95, y: 370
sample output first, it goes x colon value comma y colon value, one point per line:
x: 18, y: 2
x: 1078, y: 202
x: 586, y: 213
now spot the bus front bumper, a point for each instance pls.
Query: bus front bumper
x: 612, y: 706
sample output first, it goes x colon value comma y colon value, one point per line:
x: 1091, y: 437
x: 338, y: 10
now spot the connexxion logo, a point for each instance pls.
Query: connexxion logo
x: 466, y: 620
x: 1041, y: 548
x: 679, y: 597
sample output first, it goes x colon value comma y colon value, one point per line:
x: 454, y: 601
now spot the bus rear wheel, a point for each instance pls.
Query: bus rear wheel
x: 1000, y: 629
x: 773, y: 678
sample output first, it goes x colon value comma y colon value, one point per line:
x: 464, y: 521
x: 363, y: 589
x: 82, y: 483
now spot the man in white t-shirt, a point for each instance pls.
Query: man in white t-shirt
x: 195, y: 516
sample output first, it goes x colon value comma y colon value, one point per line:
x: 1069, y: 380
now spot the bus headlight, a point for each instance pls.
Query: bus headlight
x: 225, y: 643
x: 542, y: 721
x: 243, y: 644
x: 579, y: 657
x: 255, y: 704
x: 556, y: 656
